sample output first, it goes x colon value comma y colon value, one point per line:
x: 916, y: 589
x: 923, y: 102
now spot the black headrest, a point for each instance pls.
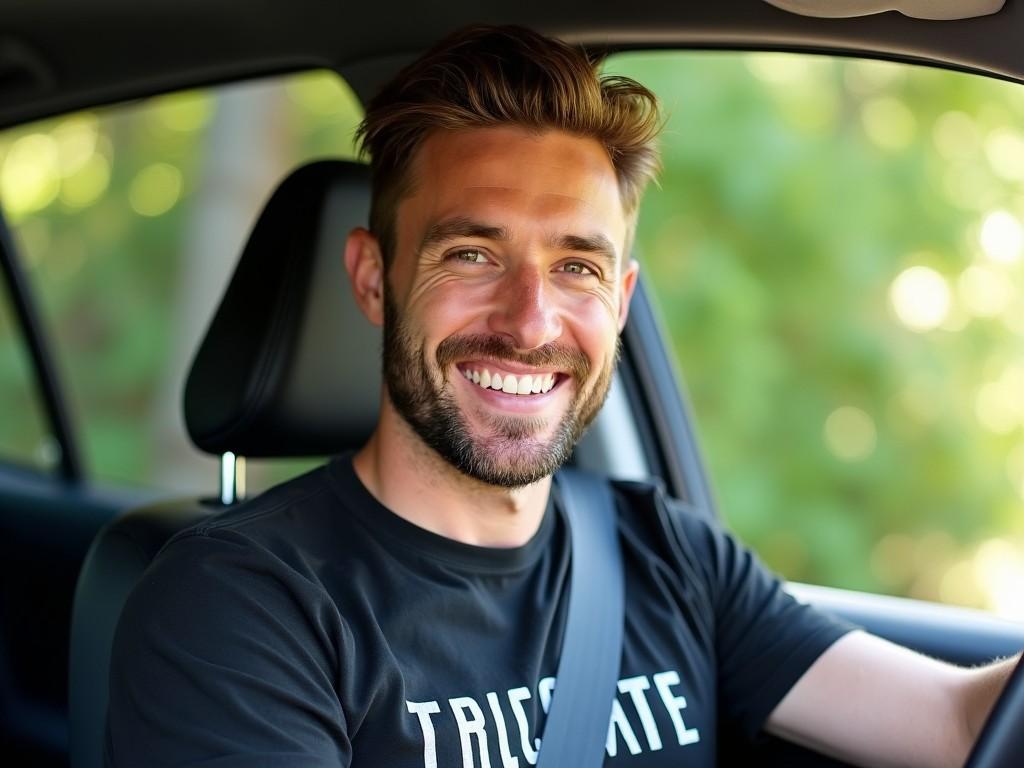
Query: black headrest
x: 289, y: 366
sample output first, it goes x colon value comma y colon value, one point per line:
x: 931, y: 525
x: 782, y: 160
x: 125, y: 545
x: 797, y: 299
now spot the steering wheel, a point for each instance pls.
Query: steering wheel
x: 1001, y: 743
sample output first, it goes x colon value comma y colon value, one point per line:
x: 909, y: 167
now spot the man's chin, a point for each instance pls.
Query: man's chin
x: 509, y: 462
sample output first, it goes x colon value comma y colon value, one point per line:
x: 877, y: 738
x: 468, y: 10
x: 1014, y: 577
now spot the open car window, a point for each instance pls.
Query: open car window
x: 836, y: 248
x: 129, y: 221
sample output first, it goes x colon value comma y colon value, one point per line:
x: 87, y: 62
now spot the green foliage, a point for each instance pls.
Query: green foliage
x: 795, y: 190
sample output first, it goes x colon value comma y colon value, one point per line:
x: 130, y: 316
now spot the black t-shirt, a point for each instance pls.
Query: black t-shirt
x: 314, y: 627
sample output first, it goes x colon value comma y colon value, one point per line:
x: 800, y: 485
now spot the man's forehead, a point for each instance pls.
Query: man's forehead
x: 514, y: 158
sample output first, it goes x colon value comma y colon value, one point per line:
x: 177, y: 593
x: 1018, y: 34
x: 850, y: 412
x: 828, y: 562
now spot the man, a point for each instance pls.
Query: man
x: 404, y: 606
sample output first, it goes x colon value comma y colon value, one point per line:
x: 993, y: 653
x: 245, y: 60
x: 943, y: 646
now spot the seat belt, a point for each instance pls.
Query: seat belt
x: 576, y: 729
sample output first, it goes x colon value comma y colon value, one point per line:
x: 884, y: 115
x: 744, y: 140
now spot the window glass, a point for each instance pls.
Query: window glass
x: 24, y: 431
x: 836, y: 250
x: 131, y: 219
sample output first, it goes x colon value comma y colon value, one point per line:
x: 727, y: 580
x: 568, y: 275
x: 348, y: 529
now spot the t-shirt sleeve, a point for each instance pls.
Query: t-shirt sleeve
x: 764, y: 639
x: 225, y: 657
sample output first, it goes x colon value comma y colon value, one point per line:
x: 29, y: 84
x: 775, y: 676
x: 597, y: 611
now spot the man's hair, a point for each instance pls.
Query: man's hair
x: 486, y: 76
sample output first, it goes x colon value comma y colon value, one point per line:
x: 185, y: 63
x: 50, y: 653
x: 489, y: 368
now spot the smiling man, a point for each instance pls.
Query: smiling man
x: 501, y: 307
x: 405, y: 605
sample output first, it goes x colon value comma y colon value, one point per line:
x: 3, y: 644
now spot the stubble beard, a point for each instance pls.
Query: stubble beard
x: 510, y: 454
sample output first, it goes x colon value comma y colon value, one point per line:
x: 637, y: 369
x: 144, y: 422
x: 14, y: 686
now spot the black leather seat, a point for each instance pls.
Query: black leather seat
x: 289, y: 367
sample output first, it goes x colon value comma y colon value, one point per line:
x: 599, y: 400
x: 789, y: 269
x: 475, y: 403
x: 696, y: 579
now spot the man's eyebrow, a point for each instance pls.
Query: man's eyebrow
x: 596, y: 245
x: 460, y: 226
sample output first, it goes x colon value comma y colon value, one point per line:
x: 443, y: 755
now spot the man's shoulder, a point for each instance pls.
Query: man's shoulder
x: 276, y: 528
x: 292, y: 505
x: 261, y: 546
x: 673, y: 529
x: 647, y: 499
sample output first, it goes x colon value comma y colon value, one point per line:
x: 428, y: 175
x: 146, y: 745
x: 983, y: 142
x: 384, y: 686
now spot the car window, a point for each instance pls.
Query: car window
x: 836, y: 248
x: 25, y: 437
x: 130, y: 220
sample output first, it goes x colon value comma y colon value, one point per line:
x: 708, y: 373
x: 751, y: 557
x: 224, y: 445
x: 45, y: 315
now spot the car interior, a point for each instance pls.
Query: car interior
x: 289, y: 368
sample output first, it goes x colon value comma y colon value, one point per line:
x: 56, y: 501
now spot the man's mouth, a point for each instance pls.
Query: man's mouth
x: 512, y: 384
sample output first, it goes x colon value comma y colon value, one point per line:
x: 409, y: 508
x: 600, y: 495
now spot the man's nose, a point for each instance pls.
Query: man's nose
x: 525, y: 310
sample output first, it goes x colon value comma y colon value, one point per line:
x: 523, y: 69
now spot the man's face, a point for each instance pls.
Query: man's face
x: 505, y: 298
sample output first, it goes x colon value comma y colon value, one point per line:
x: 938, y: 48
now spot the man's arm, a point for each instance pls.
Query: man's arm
x: 870, y: 702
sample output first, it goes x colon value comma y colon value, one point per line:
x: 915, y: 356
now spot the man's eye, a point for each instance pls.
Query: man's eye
x: 470, y: 256
x: 577, y: 268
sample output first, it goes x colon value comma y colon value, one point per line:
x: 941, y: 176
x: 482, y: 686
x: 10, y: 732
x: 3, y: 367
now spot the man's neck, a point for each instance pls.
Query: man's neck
x: 416, y: 483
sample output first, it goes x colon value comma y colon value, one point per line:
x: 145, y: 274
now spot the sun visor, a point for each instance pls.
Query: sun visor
x: 935, y: 10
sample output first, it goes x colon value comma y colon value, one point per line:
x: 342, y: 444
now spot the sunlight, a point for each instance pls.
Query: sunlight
x: 30, y: 177
x: 959, y: 586
x: 888, y: 122
x: 155, y: 189
x: 183, y: 112
x: 1002, y: 237
x: 87, y: 184
x: 865, y: 76
x: 1005, y: 151
x: 780, y: 69
x: 76, y: 140
x: 956, y: 136
x: 920, y: 297
x: 968, y: 186
x: 999, y: 570
x: 986, y: 292
x: 319, y: 93
x: 850, y: 433
x: 998, y: 405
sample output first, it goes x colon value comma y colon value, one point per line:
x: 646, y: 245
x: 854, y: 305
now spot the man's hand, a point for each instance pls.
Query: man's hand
x: 870, y: 702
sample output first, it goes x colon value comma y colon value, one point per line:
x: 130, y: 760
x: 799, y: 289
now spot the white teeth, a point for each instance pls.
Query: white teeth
x: 514, y: 385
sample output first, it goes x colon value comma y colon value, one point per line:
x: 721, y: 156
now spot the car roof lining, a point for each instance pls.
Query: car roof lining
x: 48, y: 65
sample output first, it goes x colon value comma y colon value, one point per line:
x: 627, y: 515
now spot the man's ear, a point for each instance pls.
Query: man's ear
x: 626, y: 288
x: 365, y: 266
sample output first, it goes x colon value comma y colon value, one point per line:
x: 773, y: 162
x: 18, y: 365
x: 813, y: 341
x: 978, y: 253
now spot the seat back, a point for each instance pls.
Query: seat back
x: 289, y: 367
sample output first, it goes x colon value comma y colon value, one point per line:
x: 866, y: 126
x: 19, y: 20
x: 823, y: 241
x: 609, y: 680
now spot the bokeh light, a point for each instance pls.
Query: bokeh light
x: 77, y: 138
x: 999, y: 570
x: 1004, y: 148
x: 850, y: 433
x: 30, y: 176
x: 985, y: 291
x: 956, y: 136
x: 781, y: 69
x: 888, y: 122
x: 87, y: 184
x: 1002, y: 237
x: 920, y: 296
x: 183, y: 112
x: 155, y: 189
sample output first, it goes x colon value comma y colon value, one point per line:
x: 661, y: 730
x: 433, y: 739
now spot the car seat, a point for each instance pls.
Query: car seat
x: 289, y: 367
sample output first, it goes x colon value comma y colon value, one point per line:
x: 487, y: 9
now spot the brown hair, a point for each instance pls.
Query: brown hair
x: 486, y: 76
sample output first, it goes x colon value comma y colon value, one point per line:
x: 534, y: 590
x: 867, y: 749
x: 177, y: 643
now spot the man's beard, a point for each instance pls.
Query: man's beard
x: 508, y: 454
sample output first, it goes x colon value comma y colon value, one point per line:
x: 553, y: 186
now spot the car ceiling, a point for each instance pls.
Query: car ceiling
x: 59, y: 55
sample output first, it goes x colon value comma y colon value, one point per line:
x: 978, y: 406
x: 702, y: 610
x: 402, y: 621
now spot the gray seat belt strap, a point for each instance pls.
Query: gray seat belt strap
x: 576, y: 730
